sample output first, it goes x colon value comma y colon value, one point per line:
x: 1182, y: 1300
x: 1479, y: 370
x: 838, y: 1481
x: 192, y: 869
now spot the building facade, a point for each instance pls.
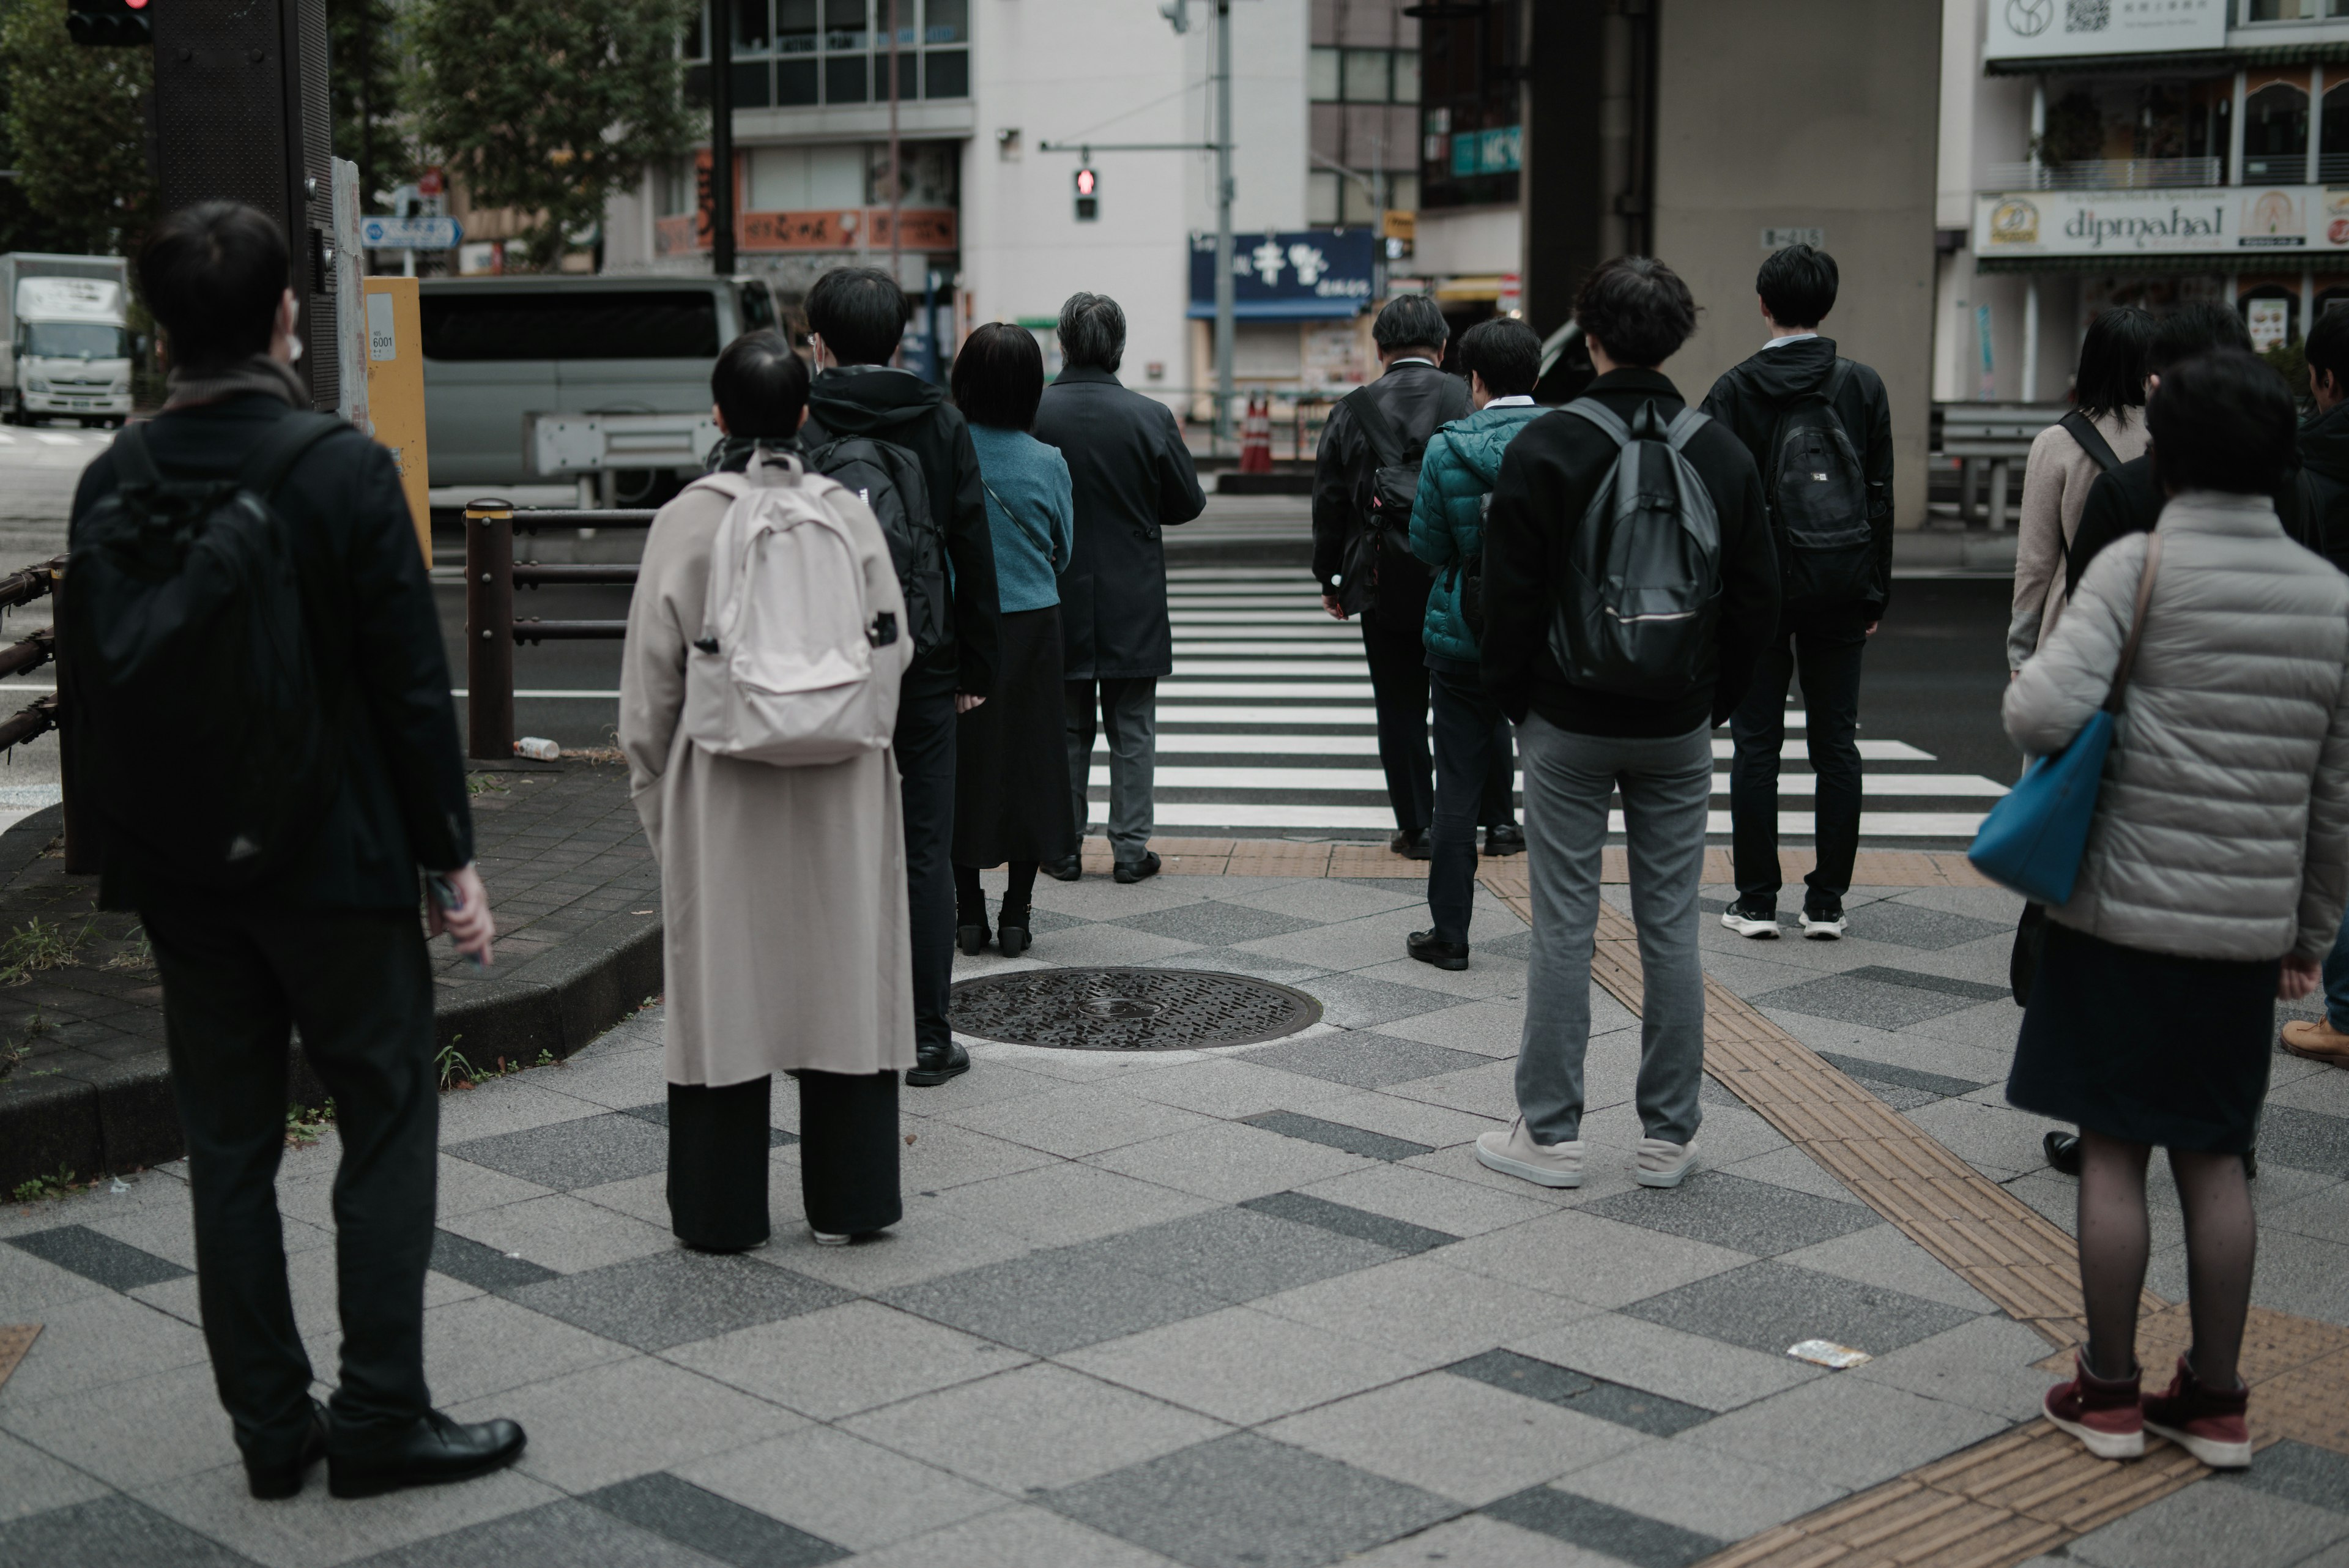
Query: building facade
x: 2133, y: 155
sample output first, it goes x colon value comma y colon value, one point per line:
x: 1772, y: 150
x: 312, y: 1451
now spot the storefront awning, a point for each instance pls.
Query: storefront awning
x: 2177, y: 62
x: 1282, y: 309
x: 2218, y: 263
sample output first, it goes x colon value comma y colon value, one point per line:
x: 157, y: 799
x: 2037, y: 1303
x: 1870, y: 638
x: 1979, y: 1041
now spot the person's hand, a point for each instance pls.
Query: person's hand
x: 1871, y: 627
x: 2299, y: 978
x: 1330, y: 602
x: 470, y: 921
x: 966, y: 700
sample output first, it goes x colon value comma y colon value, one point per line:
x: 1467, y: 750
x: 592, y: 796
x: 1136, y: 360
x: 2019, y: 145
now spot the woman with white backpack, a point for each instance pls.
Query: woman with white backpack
x: 758, y: 692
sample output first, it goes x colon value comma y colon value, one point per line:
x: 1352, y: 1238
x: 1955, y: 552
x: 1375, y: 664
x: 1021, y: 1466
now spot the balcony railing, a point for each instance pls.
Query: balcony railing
x: 2109, y: 174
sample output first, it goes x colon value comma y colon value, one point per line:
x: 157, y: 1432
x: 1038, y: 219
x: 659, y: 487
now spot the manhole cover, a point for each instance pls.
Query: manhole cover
x: 1129, y: 1009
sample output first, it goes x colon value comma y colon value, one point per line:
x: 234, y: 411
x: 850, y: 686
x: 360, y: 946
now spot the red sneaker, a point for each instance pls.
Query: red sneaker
x: 2105, y: 1415
x: 2206, y: 1422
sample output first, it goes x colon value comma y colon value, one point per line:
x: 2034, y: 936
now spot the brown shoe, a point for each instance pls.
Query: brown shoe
x: 2317, y: 1040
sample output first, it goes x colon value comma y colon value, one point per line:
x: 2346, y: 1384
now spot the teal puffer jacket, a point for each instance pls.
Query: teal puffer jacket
x: 1447, y: 521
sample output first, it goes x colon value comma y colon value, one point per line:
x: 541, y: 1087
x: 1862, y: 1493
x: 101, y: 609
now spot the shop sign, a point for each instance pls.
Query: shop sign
x: 2042, y: 29
x: 1319, y: 272
x: 2216, y: 221
x: 1496, y: 151
x: 2270, y: 321
x: 841, y: 229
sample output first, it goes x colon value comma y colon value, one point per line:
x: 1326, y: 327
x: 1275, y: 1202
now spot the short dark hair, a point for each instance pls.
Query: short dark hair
x: 2328, y: 345
x: 1636, y: 308
x: 860, y: 313
x: 212, y: 274
x: 1506, y: 352
x: 761, y: 386
x: 999, y: 376
x: 1093, y: 333
x: 1410, y: 321
x: 2196, y: 328
x: 2224, y: 420
x: 1797, y: 285
x: 2113, y: 358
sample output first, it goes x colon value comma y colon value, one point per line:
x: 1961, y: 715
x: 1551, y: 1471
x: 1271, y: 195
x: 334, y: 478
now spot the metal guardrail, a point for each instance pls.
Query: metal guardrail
x: 1996, y: 436
x: 492, y: 631
x: 19, y: 588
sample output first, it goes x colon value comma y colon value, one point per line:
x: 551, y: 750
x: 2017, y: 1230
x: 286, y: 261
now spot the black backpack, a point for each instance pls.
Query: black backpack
x: 1817, y: 495
x: 1643, y: 594
x: 1394, y: 486
x: 207, y: 743
x: 888, y: 479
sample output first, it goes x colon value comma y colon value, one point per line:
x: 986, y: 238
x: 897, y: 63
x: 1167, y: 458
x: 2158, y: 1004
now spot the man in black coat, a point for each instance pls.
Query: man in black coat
x: 332, y: 945
x: 1581, y: 744
x: 855, y: 317
x: 1416, y: 397
x: 1821, y: 633
x: 1132, y: 476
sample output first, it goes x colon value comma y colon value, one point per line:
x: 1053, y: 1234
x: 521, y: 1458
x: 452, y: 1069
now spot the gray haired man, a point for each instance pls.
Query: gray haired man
x: 1133, y: 477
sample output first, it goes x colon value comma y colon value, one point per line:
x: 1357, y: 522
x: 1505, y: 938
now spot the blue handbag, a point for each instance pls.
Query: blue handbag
x: 2034, y: 839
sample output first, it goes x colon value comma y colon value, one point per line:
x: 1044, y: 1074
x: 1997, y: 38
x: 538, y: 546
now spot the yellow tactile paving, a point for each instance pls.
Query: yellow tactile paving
x: 1284, y: 857
x: 16, y: 1338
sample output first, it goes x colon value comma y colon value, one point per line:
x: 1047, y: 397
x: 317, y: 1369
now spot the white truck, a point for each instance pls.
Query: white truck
x: 68, y: 338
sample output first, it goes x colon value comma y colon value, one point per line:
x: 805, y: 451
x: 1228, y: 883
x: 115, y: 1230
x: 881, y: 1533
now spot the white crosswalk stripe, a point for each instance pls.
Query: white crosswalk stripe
x: 1267, y: 724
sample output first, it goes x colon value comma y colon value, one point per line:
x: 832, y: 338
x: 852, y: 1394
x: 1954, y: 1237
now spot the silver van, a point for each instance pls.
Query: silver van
x: 501, y: 352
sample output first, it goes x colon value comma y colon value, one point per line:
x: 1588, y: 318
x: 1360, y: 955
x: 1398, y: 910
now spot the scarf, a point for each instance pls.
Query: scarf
x: 256, y: 373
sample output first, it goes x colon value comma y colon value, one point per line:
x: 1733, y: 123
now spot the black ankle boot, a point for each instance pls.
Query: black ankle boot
x: 1011, y: 932
x: 972, y: 936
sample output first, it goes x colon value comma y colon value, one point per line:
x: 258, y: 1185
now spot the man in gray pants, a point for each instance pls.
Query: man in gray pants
x: 1643, y: 731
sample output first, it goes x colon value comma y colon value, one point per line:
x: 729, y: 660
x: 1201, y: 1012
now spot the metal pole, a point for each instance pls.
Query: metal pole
x: 896, y: 181
x: 721, y: 141
x: 1223, y: 221
x: 488, y: 632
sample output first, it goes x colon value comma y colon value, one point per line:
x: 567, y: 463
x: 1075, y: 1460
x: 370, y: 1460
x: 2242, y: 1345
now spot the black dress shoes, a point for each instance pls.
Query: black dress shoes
x: 2063, y: 1151
x: 934, y: 1065
x: 1067, y: 868
x: 1410, y: 843
x: 273, y: 1479
x: 431, y: 1452
x: 1135, y: 870
x: 1505, y: 838
x: 1429, y: 948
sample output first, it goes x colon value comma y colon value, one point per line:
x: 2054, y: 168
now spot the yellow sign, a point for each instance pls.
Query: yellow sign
x: 395, y: 391
x: 1399, y: 224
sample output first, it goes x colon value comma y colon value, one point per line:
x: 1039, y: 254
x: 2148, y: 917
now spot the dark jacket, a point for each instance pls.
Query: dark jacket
x: 2129, y: 500
x: 1548, y: 479
x: 402, y: 803
x: 1749, y: 398
x: 900, y: 408
x: 1416, y: 397
x: 2324, y: 484
x: 1132, y: 476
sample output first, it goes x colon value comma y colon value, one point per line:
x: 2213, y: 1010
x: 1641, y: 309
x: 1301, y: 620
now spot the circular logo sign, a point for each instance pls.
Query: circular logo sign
x: 2029, y: 18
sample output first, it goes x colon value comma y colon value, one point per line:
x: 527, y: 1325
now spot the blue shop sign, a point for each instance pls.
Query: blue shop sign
x: 1310, y: 274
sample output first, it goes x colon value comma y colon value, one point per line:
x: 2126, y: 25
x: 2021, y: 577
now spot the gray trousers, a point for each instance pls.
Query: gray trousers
x: 1128, y: 708
x: 1667, y: 786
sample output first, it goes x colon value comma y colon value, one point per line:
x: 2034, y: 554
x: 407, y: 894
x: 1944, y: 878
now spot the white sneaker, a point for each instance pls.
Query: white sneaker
x: 1755, y: 925
x: 1825, y: 927
x: 1662, y: 1164
x: 826, y: 1238
x: 1515, y: 1152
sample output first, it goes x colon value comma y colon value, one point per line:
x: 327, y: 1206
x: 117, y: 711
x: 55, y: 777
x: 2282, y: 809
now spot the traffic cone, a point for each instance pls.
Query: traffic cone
x: 1256, y: 436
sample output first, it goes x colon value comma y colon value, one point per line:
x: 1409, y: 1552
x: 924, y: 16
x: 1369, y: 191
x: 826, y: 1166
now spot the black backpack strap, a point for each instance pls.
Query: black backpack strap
x: 1837, y: 379
x: 1685, y: 423
x: 268, y: 464
x: 2083, y: 429
x: 133, y: 463
x: 1387, y: 448
x: 1605, y: 418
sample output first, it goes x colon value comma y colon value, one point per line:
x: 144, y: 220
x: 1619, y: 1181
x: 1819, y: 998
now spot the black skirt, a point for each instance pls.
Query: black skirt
x: 2145, y: 1046
x: 1012, y: 758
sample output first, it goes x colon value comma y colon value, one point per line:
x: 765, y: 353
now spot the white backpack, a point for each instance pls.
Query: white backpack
x: 784, y: 671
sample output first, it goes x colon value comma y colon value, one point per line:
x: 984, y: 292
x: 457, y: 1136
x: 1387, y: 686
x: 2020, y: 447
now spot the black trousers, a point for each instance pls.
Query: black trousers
x: 1398, y: 659
x: 1472, y: 749
x: 1828, y: 661
x: 717, y: 1144
x: 236, y: 984
x: 924, y: 745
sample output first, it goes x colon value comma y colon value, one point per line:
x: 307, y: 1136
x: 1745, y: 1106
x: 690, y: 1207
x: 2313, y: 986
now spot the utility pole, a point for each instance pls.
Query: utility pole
x: 896, y: 179
x: 721, y: 138
x: 1224, y: 333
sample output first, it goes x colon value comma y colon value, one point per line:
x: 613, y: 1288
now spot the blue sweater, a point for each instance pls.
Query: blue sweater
x: 1033, y: 540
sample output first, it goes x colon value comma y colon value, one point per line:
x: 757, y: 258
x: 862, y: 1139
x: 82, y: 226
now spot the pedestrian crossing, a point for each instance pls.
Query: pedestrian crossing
x: 1267, y: 725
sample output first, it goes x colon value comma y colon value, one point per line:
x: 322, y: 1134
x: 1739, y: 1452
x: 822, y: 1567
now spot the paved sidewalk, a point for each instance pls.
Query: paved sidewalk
x: 1253, y: 1306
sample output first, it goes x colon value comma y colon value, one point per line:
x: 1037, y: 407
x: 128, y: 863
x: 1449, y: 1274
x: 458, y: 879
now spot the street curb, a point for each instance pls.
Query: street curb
x: 124, y: 1116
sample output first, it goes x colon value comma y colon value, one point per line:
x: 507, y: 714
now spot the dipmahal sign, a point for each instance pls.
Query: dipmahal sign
x: 2241, y: 220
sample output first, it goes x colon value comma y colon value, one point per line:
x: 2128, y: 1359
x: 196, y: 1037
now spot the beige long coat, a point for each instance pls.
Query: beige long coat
x: 782, y: 890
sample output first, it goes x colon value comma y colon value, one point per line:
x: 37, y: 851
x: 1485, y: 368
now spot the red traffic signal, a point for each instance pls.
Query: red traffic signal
x: 1088, y: 195
x: 107, y: 24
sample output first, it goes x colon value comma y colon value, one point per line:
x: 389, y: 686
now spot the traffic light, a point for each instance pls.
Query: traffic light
x: 1088, y: 195
x: 107, y: 24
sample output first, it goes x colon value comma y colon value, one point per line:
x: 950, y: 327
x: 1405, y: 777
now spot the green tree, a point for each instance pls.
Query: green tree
x: 551, y: 109
x: 364, y: 77
x: 77, y: 131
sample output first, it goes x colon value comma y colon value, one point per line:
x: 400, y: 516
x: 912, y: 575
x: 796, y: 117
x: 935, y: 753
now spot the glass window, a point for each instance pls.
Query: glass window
x: 750, y: 26
x: 909, y: 68
x: 845, y: 79
x: 1403, y: 190
x: 757, y: 307
x: 949, y: 73
x: 1323, y: 198
x: 844, y: 28
x: 695, y: 49
x: 1367, y: 75
x: 835, y: 176
x: 909, y: 32
x: 749, y: 80
x: 795, y: 83
x: 795, y: 27
x: 1321, y: 76
x: 1406, y: 75
x: 948, y: 22
x: 2275, y: 134
x: 75, y: 340
x: 633, y: 324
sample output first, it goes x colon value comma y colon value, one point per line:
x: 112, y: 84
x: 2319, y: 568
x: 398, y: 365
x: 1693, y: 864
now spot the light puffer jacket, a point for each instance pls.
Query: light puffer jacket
x: 2222, y: 828
x: 1447, y: 520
